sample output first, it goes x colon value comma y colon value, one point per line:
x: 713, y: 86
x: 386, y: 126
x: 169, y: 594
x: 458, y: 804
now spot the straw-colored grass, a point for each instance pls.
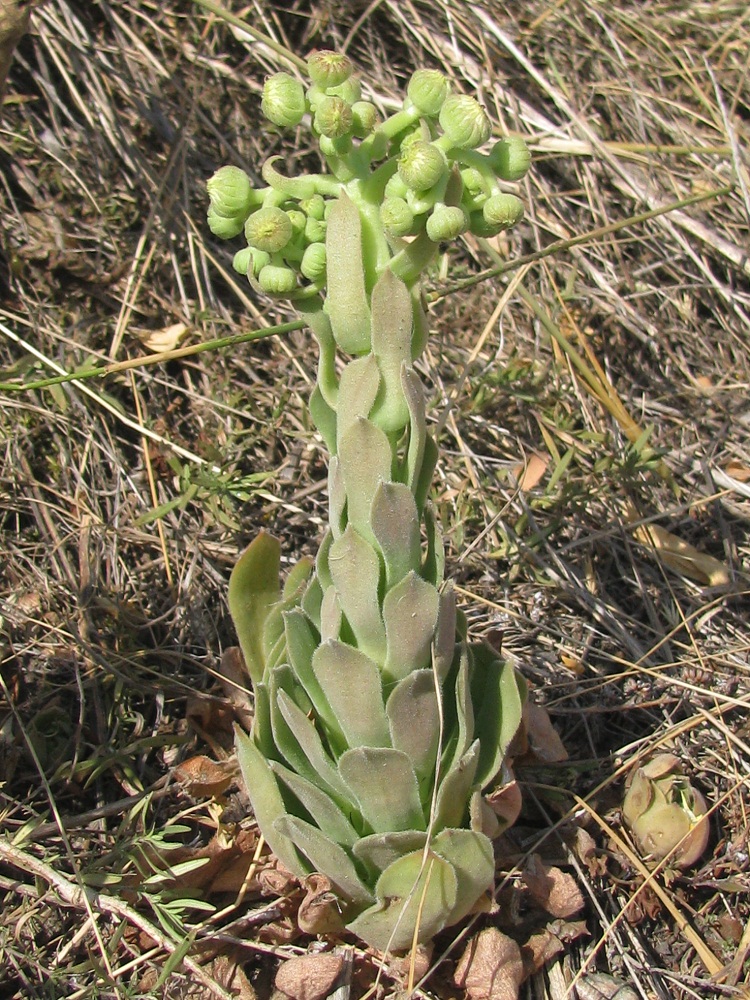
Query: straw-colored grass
x: 594, y: 483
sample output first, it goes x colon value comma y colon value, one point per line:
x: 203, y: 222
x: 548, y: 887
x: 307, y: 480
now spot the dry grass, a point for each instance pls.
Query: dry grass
x: 620, y: 359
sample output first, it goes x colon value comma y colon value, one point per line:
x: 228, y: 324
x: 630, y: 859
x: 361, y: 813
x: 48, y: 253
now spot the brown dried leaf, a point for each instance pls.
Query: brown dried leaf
x: 491, y: 968
x: 202, y: 777
x: 319, y: 912
x: 682, y: 557
x: 309, y: 977
x: 165, y: 339
x: 529, y: 473
x: 587, y: 852
x: 542, y: 947
x: 552, y: 889
x: 544, y: 741
x: 506, y: 801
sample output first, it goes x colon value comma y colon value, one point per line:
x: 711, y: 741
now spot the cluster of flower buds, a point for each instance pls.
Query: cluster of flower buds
x: 419, y: 174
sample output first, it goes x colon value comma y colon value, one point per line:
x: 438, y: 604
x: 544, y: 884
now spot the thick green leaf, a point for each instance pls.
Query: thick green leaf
x: 268, y: 805
x: 358, y: 389
x: 253, y: 590
x: 346, y: 298
x: 322, y: 568
x: 312, y: 600
x: 351, y: 683
x: 365, y: 460
x: 331, y: 615
x: 472, y: 858
x: 336, y: 498
x: 384, y: 784
x: 414, y: 396
x: 326, y: 857
x: 410, y: 613
x: 413, y: 716
x: 433, y: 568
x: 302, y: 640
x: 355, y: 571
x: 444, y: 645
x: 308, y: 738
x: 456, y: 789
x: 297, y: 579
x: 413, y: 893
x: 312, y: 313
x: 379, y: 850
x: 392, y: 323
x: 497, y: 693
x: 321, y: 807
x: 395, y: 524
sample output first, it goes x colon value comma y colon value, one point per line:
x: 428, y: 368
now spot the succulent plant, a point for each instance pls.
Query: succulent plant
x: 378, y: 725
x: 665, y: 813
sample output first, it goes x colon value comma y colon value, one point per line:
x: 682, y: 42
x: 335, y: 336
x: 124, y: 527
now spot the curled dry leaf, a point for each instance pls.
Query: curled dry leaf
x: 309, y: 977
x: 319, y: 912
x: 202, y: 777
x: 544, y: 741
x: 542, y: 947
x: 554, y: 890
x: 165, y: 339
x: 506, y: 800
x: 491, y: 968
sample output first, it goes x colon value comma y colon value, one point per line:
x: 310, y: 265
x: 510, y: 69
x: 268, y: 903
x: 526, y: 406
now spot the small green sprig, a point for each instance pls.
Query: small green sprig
x: 378, y: 725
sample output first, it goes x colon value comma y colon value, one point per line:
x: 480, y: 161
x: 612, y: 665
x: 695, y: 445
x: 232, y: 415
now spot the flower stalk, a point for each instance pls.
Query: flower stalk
x: 378, y: 726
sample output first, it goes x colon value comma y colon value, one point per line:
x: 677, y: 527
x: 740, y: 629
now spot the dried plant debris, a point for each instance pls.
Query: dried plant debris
x: 595, y: 440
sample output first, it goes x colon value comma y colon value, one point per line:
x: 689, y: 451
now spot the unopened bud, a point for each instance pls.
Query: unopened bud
x: 333, y: 118
x: 277, y: 280
x: 314, y: 207
x: 366, y: 117
x: 427, y: 90
x: 315, y: 230
x: 464, y: 121
x: 396, y: 216
x: 243, y: 260
x: 446, y: 223
x: 328, y: 69
x: 313, y: 263
x: 225, y: 229
x: 421, y: 166
x: 503, y: 210
x: 230, y: 192
x: 510, y: 158
x: 283, y: 101
x: 269, y: 229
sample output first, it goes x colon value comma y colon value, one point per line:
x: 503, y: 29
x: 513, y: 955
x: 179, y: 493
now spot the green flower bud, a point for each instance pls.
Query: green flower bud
x: 479, y: 226
x: 315, y: 230
x: 503, y: 210
x: 231, y: 193
x: 259, y: 260
x: 350, y: 90
x: 446, y: 223
x: 283, y: 101
x: 510, y: 158
x: 225, y: 229
x: 464, y: 121
x: 328, y: 69
x: 277, y: 280
x: 421, y: 166
x: 269, y: 229
x: 395, y: 188
x: 313, y: 207
x: 665, y: 813
x: 366, y: 118
x: 242, y: 261
x: 427, y: 90
x: 473, y: 182
x: 313, y: 264
x: 396, y: 216
x: 298, y: 220
x: 333, y: 118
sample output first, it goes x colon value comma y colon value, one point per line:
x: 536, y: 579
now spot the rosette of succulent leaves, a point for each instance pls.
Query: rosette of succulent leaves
x: 378, y: 728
